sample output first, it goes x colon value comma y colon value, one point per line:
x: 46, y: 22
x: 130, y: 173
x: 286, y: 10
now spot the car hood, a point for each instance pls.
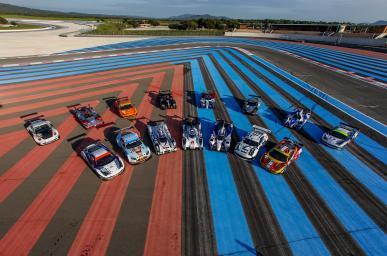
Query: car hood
x: 332, y: 140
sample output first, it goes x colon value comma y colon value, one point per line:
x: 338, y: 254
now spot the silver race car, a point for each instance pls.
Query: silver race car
x: 340, y: 136
x: 132, y: 146
x: 192, y: 134
x: 220, y: 139
x: 249, y: 146
x: 251, y: 105
x: 161, y: 137
x: 42, y: 131
x: 104, y: 162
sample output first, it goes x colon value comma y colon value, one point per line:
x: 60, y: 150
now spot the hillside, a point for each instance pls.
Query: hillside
x: 197, y: 16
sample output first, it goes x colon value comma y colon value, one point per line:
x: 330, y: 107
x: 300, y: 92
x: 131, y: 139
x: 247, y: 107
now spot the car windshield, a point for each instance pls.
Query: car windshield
x: 338, y: 135
x: 250, y: 142
x: 163, y: 139
x: 43, y: 129
x: 252, y: 103
x: 133, y: 144
x: 105, y: 160
x: 126, y: 106
x: 278, y: 155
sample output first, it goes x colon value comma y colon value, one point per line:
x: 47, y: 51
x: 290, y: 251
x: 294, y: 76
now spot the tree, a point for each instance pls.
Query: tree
x: 3, y: 21
x: 154, y: 22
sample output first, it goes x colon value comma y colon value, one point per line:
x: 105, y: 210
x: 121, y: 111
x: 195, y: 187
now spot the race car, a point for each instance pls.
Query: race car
x: 125, y: 108
x: 207, y: 99
x: 132, y: 146
x: 165, y: 100
x: 251, y: 105
x: 161, y: 137
x: 281, y: 156
x: 87, y: 116
x: 297, y: 118
x: 42, y: 131
x: 249, y: 146
x: 102, y: 160
x: 220, y: 139
x: 340, y: 136
x: 192, y: 134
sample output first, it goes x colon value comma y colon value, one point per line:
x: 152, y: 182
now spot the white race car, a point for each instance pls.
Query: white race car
x: 132, y: 146
x: 249, y: 146
x: 192, y: 134
x: 161, y: 137
x: 340, y: 136
x: 42, y: 131
x: 102, y: 160
x: 220, y: 139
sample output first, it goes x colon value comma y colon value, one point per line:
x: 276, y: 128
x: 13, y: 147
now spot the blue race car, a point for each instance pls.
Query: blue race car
x: 297, y: 118
x: 133, y: 148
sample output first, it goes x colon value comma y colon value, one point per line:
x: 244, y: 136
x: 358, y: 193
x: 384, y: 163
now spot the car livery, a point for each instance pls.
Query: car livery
x: 251, y: 105
x: 249, y: 146
x: 42, y: 131
x: 207, y: 100
x: 297, y: 118
x: 340, y: 136
x: 161, y: 137
x: 102, y: 160
x: 220, y: 139
x: 165, y: 100
x: 87, y: 116
x: 133, y: 148
x: 281, y: 156
x: 192, y: 134
x: 125, y: 108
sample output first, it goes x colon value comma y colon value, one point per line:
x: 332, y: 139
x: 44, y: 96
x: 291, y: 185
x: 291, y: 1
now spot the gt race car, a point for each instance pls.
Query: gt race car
x: 249, y: 146
x: 87, y: 116
x: 340, y: 136
x: 251, y: 105
x: 161, y: 137
x: 105, y: 163
x: 125, y: 108
x: 297, y: 118
x: 133, y: 148
x: 42, y: 131
x: 220, y: 139
x: 281, y: 156
x: 192, y: 134
x: 207, y: 99
x: 165, y: 100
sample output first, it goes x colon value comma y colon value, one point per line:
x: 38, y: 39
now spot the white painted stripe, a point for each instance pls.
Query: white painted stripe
x: 10, y: 65
x: 36, y: 63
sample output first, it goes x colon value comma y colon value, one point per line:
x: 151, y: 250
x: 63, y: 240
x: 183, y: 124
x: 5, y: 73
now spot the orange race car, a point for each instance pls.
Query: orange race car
x: 278, y: 158
x: 125, y: 108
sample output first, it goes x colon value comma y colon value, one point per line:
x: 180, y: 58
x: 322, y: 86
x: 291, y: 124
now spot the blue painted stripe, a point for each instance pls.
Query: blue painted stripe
x: 361, y: 227
x: 302, y: 237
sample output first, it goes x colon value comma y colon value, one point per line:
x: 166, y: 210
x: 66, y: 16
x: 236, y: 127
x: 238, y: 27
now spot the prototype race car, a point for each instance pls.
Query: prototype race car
x: 165, y: 100
x: 125, y: 108
x: 132, y: 146
x: 249, y: 146
x: 161, y: 137
x: 104, y: 162
x: 192, y: 134
x: 87, y: 116
x: 340, y: 136
x: 282, y: 155
x: 207, y: 100
x: 251, y: 105
x: 297, y: 118
x: 42, y: 131
x: 220, y: 139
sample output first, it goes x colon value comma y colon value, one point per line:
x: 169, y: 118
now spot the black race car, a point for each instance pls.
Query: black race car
x: 165, y: 99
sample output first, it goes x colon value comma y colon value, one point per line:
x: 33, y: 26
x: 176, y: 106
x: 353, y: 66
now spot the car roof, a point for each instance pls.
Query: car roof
x: 100, y: 153
x: 129, y: 137
x: 255, y: 135
x: 38, y: 122
x: 124, y: 101
x: 285, y: 148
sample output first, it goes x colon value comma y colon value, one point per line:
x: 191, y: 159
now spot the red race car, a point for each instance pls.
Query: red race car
x: 87, y: 116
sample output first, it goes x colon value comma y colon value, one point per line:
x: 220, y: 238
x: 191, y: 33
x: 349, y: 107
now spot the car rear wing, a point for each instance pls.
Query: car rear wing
x: 259, y: 128
x: 165, y: 92
x: 124, y: 130
x: 192, y: 120
x: 350, y: 126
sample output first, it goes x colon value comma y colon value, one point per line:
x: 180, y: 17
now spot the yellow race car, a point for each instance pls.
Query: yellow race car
x: 125, y: 108
x: 278, y: 158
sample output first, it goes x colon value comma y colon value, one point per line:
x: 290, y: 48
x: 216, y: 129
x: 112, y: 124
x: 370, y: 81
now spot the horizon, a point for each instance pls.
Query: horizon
x: 350, y: 10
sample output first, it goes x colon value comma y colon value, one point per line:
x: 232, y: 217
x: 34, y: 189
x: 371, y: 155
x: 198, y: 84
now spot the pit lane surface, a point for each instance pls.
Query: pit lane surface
x: 190, y: 203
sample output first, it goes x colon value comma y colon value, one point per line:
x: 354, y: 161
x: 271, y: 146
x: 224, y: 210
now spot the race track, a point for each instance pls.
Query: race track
x: 328, y: 202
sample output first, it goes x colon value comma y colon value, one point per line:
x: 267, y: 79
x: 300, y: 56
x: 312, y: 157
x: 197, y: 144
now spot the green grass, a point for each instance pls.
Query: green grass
x: 21, y: 26
x: 114, y: 31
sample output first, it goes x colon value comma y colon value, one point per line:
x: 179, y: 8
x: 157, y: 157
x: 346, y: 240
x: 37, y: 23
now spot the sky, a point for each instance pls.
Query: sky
x: 315, y: 10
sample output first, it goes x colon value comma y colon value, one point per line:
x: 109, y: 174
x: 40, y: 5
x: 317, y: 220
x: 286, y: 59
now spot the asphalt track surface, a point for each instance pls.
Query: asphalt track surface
x: 189, y: 202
